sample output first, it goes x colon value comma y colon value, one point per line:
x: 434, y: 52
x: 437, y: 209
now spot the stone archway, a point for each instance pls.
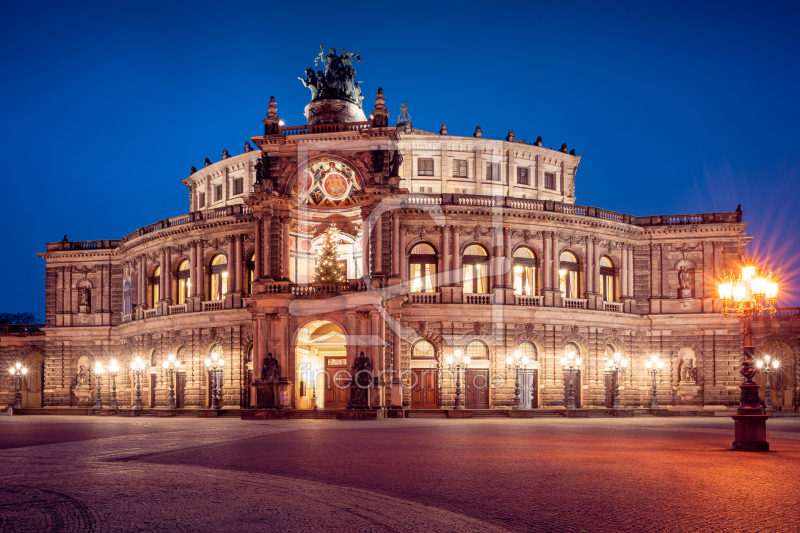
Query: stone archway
x: 322, y: 370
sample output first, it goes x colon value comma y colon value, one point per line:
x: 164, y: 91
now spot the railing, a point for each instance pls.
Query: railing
x: 525, y: 204
x: 176, y: 309
x: 425, y: 199
x: 574, y: 303
x: 613, y: 307
x: 426, y: 297
x: 228, y: 210
x: 326, y: 128
x: 212, y: 305
x: 479, y: 299
x: 312, y: 289
x: 150, y: 313
x: 533, y: 301
x: 7, y: 329
x: 571, y: 209
x: 782, y: 312
x: 486, y: 201
x: 126, y: 318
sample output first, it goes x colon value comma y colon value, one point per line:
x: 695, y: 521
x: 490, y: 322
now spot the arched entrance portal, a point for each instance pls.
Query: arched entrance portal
x: 322, y: 372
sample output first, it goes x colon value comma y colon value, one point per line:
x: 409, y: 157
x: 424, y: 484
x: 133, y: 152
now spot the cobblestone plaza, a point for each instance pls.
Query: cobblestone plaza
x: 64, y: 473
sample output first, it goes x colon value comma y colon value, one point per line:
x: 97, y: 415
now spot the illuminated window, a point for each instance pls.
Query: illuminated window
x: 250, y: 264
x: 524, y: 268
x: 184, y: 282
x: 219, y: 277
x: 425, y: 167
x: 423, y: 349
x: 475, y: 267
x: 422, y: 264
x: 550, y: 181
x: 572, y: 347
x: 568, y: 275
x: 477, y: 350
x: 607, y: 279
x: 527, y: 349
x: 154, y: 282
x: 523, y: 176
x: 459, y: 168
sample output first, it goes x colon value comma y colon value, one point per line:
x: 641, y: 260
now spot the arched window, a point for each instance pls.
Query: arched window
x: 153, y: 357
x: 607, y: 279
x: 423, y: 349
x: 477, y: 350
x: 219, y: 277
x: 524, y: 272
x: 184, y: 281
x: 475, y: 266
x: 249, y: 354
x: 572, y: 347
x: 568, y: 274
x: 250, y: 265
x: 126, y: 299
x: 180, y: 355
x: 154, y: 283
x: 422, y: 264
x: 527, y: 349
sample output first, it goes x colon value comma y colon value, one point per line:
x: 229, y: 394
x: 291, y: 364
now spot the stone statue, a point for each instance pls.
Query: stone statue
x: 394, y: 163
x: 82, y: 379
x: 683, y: 277
x: 338, y: 78
x: 83, y: 296
x: 263, y: 172
x: 362, y: 380
x: 270, y: 369
x: 687, y: 370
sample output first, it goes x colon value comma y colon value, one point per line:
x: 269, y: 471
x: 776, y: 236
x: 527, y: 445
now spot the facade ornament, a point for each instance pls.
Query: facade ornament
x: 403, y: 117
x: 337, y: 80
x: 247, y: 147
x: 688, y: 371
x: 394, y: 164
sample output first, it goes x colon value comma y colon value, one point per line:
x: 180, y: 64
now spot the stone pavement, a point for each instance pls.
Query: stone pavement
x: 636, y: 474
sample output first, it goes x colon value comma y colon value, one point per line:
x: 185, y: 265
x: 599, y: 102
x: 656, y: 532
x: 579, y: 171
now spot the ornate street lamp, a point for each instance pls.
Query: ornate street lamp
x: 214, y: 364
x: 98, y: 372
x: 744, y: 296
x: 570, y: 363
x: 18, y: 371
x: 614, y: 365
x: 768, y: 366
x: 113, y: 368
x: 171, y: 366
x: 460, y: 361
x: 654, y: 366
x: 518, y: 361
x: 138, y: 368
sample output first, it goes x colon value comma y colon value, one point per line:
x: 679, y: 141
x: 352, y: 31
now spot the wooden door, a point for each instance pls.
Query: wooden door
x: 610, y: 390
x: 153, y: 381
x: 31, y: 386
x: 180, y: 390
x: 576, y: 384
x: 336, y: 382
x: 424, y: 389
x: 476, y: 388
x: 528, y: 389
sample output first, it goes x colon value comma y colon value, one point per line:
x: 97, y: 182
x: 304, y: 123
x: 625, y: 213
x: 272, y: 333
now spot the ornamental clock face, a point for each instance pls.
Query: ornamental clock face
x: 326, y: 184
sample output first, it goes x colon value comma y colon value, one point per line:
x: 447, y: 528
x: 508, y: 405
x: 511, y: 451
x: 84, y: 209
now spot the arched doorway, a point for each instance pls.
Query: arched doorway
x: 322, y: 370
x: 781, y: 381
x: 32, y: 383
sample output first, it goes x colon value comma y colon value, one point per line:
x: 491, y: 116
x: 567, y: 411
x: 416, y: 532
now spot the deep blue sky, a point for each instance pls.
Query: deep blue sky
x: 676, y: 108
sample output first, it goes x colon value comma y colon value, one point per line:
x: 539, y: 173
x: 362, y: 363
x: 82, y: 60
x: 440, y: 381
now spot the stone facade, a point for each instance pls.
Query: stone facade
x: 234, y: 276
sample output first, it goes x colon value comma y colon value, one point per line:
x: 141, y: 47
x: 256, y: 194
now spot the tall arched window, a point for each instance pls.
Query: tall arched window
x: 184, y: 281
x: 250, y: 265
x: 524, y: 272
x: 126, y: 299
x: 607, y: 279
x: 475, y: 266
x: 154, y: 283
x: 527, y: 349
x: 568, y: 274
x: 423, y: 349
x: 219, y: 277
x: 572, y: 347
x: 477, y: 350
x: 422, y: 263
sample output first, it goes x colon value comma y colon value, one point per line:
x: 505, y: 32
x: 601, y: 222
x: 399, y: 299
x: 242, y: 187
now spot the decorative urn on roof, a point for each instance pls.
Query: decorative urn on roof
x: 335, y: 95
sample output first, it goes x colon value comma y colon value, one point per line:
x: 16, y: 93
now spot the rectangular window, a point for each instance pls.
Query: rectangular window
x: 524, y: 280
x: 493, y: 171
x: 202, y: 200
x: 568, y: 283
x: 522, y: 175
x: 238, y: 186
x: 550, y: 181
x: 425, y: 167
x: 608, y: 287
x: 459, y: 168
x: 423, y: 277
x: 217, y: 193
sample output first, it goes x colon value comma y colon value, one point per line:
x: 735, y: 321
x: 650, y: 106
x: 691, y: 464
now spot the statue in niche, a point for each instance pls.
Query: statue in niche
x: 82, y: 379
x: 683, y: 277
x: 264, y: 172
x: 362, y: 380
x: 270, y: 369
x: 266, y: 393
x: 394, y: 164
x: 688, y: 370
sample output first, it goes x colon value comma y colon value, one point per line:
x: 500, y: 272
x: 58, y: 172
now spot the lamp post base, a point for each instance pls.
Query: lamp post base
x: 750, y: 433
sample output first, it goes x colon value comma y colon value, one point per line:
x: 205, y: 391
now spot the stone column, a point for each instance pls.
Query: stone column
x: 258, y: 252
x: 587, y: 267
x: 629, y: 251
x: 397, y: 394
x: 240, y: 271
x: 509, y: 275
x: 456, y: 277
x: 546, y: 275
x: 201, y: 265
x: 623, y: 277
x: 351, y: 336
x: 142, y: 282
x: 396, y: 245
x: 169, y: 277
x: 403, y: 256
x: 266, y: 245
x: 365, y: 249
x: 283, y: 338
x: 378, y: 245
x: 286, y: 251
x: 162, y: 276
x: 497, y: 258
x: 556, y: 262
x: 233, y: 264
x: 107, y: 288
x: 596, y: 267
x: 377, y: 359
x: 445, y: 276
x: 193, y: 269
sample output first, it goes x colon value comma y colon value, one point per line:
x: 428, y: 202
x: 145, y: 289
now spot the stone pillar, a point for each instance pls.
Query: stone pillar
x: 509, y: 275
x: 403, y: 256
x: 162, y: 276
x: 556, y: 261
x: 286, y: 250
x: 587, y: 267
x: 201, y: 265
x: 378, y: 245
x: 596, y: 270
x: 142, y: 283
x: 169, y: 276
x: 266, y: 245
x: 193, y: 269
x: 456, y: 278
x: 396, y: 245
x: 445, y: 275
x: 233, y: 264
x: 240, y: 270
x: 397, y: 394
x: 351, y: 336
x: 365, y: 249
x: 377, y: 360
x: 547, y: 277
x: 631, y: 293
x: 497, y: 258
x: 623, y: 277
x: 258, y: 252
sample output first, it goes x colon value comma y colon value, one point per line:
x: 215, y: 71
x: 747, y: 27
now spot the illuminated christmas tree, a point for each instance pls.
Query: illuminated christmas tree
x: 328, y: 269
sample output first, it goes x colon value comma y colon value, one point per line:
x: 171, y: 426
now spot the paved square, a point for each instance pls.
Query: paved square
x: 63, y: 473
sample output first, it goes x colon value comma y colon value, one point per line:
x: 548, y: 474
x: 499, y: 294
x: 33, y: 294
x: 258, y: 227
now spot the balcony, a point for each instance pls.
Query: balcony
x: 150, y: 313
x: 212, y: 305
x: 478, y: 299
x: 176, y: 309
x: 612, y: 307
x: 531, y: 301
x: 425, y: 297
x: 574, y: 303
